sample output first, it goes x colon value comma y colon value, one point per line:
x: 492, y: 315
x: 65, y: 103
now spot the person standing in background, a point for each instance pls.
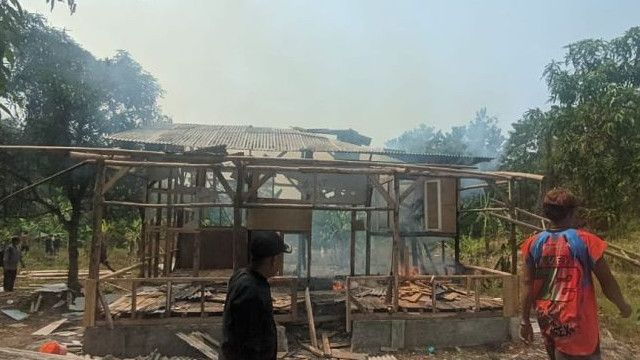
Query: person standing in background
x: 11, y: 257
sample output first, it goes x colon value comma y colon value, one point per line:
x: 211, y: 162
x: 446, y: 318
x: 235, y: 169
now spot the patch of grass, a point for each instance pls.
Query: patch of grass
x: 36, y: 259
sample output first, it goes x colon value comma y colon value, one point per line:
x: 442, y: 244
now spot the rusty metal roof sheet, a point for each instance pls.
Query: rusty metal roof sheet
x: 235, y: 137
x: 243, y: 137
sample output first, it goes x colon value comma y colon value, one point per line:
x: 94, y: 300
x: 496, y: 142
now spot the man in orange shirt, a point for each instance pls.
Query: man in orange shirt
x: 558, y: 282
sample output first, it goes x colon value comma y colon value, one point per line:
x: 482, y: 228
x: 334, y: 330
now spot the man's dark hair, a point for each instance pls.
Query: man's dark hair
x: 15, y: 239
x: 558, y: 204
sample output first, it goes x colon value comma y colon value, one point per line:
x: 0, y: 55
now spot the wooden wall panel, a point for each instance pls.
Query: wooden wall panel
x: 449, y: 187
x: 287, y: 220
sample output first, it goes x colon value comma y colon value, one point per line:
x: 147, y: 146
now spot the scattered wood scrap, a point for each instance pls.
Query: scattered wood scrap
x: 311, y: 322
x: 326, y: 345
x: 12, y: 354
x: 49, y: 328
x: 198, y: 343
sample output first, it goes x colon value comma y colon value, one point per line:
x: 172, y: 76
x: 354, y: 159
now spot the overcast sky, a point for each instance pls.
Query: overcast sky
x: 380, y: 67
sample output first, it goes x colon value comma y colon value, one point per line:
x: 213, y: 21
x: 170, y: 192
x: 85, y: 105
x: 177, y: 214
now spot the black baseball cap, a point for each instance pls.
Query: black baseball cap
x: 267, y: 243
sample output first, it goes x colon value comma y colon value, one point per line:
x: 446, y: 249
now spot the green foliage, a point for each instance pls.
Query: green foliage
x: 590, y: 139
x: 11, y: 16
x: 63, y: 95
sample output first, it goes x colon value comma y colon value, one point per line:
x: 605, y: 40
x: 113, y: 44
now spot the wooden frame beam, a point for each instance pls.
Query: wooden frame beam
x: 225, y: 184
x: 114, y: 178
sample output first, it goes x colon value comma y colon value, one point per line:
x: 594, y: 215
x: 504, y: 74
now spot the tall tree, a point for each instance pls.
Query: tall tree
x: 591, y: 135
x: 67, y: 97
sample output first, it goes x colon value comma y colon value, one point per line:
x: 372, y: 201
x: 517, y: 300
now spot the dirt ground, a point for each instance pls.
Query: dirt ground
x: 17, y: 334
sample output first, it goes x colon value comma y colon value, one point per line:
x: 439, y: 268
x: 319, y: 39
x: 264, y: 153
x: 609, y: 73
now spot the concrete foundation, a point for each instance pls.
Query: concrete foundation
x: 371, y: 335
x: 135, y: 340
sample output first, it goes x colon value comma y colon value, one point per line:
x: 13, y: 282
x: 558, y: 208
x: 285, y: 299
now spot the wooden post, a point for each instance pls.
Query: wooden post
x: 308, y: 258
x: 367, y: 256
x: 169, y: 299
x: 476, y: 290
x: 310, y: 319
x: 513, y: 242
x: 396, y: 242
x: 134, y: 301
x: 168, y: 235
x: 196, y: 253
x: 105, y: 308
x: 353, y: 243
x: 510, y: 295
x: 202, y: 300
x: 237, y: 214
x: 90, y: 303
x: 155, y: 251
x: 434, y: 304
x: 456, y: 245
x: 91, y: 285
x: 347, y: 288
x: 294, y: 300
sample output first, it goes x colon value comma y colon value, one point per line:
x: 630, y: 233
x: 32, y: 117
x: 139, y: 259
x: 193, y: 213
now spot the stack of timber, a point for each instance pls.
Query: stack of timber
x: 417, y: 295
x: 52, y: 275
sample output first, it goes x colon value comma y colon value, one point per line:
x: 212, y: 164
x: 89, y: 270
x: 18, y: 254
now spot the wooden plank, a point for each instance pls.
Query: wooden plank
x: 121, y: 271
x: 348, y: 355
x: 44, y: 331
x: 312, y: 349
x: 310, y: 319
x: 326, y: 346
x: 13, y: 354
x: 199, y: 345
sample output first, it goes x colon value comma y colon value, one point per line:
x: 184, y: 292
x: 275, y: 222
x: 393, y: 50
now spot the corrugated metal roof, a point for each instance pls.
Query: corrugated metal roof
x: 235, y: 137
x: 238, y: 137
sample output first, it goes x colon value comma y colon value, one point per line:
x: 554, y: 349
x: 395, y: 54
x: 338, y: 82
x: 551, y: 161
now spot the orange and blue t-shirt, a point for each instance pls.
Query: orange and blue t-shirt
x: 565, y: 301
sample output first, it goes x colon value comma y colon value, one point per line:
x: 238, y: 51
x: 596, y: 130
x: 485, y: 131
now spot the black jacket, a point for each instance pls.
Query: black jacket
x: 249, y: 330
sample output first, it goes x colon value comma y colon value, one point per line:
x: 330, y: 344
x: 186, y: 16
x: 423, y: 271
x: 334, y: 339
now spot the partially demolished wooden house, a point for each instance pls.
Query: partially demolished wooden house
x: 375, y: 231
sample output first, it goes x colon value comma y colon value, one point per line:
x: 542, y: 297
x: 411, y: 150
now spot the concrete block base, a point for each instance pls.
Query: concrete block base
x: 371, y: 335
x: 136, y: 340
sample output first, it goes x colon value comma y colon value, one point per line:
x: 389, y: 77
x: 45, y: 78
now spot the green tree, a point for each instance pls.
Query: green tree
x: 67, y: 97
x: 590, y: 139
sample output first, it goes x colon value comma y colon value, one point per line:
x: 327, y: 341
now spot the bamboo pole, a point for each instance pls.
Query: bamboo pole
x: 45, y: 179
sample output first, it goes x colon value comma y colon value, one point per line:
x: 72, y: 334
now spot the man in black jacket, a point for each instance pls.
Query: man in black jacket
x: 249, y: 331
